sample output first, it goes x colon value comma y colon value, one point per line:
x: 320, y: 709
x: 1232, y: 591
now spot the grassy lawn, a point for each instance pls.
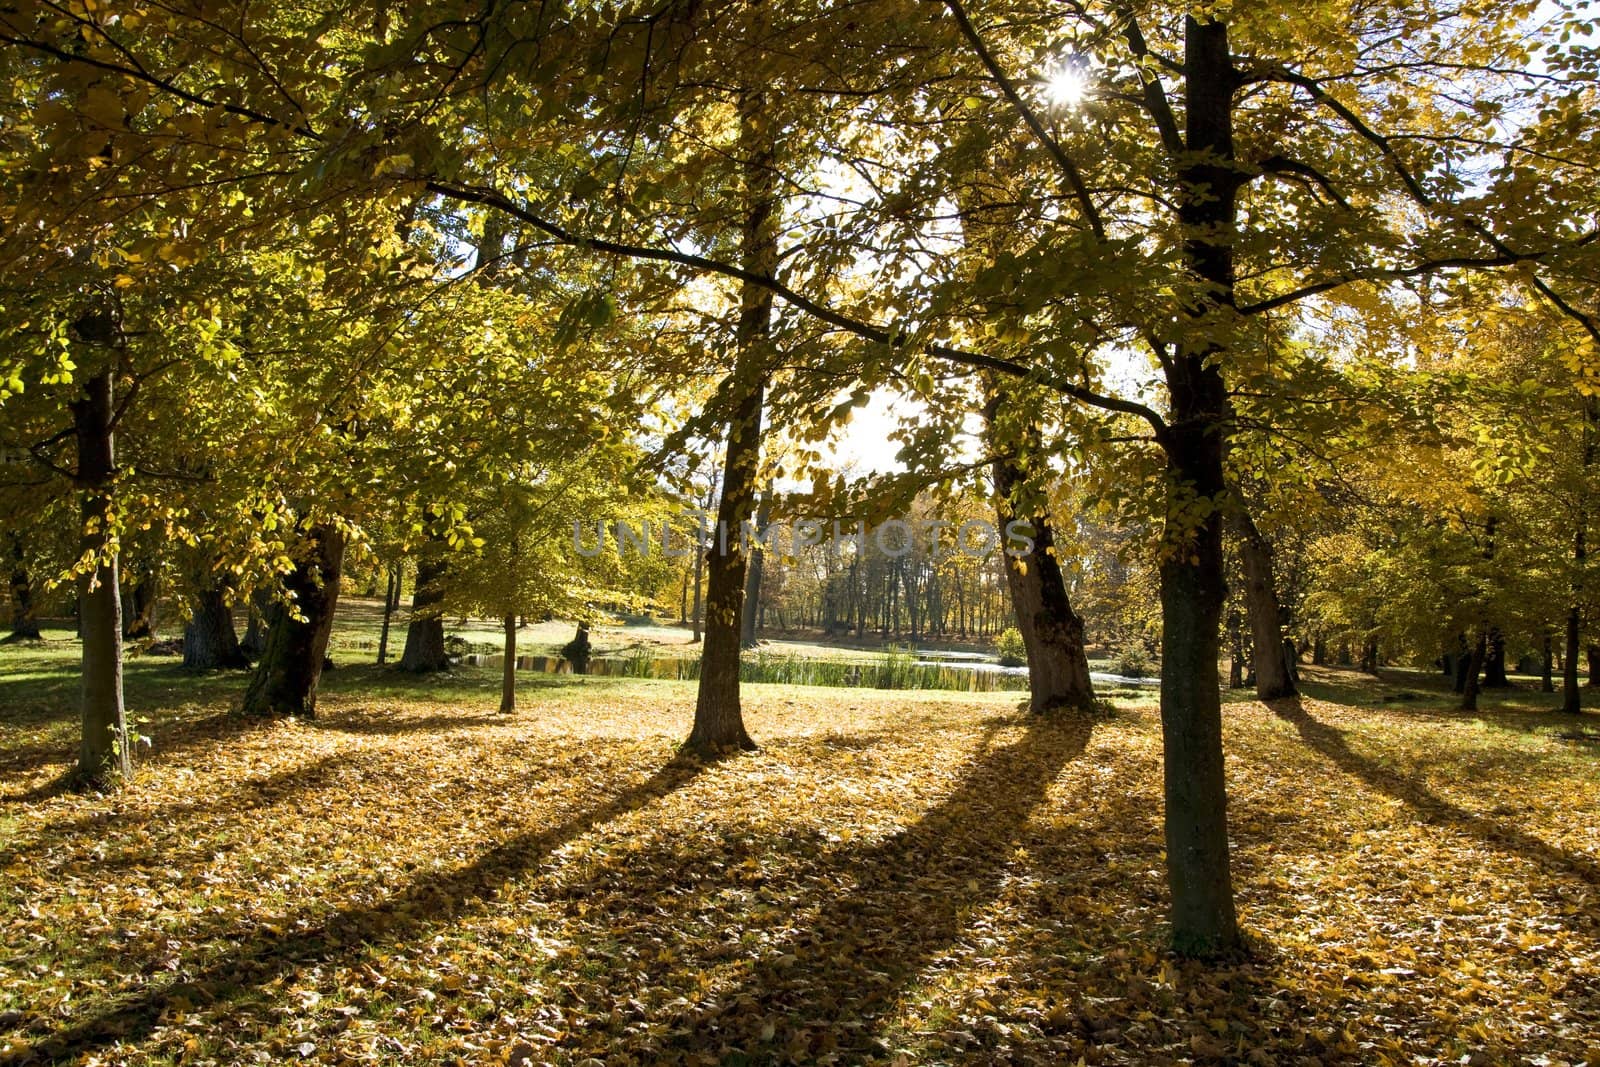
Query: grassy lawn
x: 356, y: 627
x: 895, y: 877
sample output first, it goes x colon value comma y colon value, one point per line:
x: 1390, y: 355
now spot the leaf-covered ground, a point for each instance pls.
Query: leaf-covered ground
x: 893, y: 878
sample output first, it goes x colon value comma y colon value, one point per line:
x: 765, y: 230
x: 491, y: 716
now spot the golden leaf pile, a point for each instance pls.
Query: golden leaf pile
x: 894, y: 878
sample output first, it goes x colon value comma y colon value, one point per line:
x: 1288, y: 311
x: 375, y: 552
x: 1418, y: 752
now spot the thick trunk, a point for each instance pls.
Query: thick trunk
x: 1571, y: 701
x: 1192, y: 594
x: 718, y: 718
x: 1273, y: 673
x: 285, y: 681
x: 1494, y: 662
x: 139, y: 617
x: 1052, y: 633
x: 24, y: 621
x: 1469, y: 692
x: 209, y: 641
x: 508, y: 669
x: 263, y: 609
x: 424, y: 649
x: 103, y: 756
x: 391, y: 598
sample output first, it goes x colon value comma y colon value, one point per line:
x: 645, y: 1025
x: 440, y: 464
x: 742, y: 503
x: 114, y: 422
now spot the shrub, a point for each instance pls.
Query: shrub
x: 1134, y: 662
x: 1013, y: 652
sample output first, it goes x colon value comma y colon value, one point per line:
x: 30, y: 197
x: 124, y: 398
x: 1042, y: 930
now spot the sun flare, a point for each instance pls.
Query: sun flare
x: 1066, y: 86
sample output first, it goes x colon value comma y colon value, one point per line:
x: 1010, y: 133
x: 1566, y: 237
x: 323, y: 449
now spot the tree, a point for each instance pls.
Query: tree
x: 24, y: 620
x: 424, y: 650
x: 209, y: 639
x: 285, y: 681
x: 1226, y: 168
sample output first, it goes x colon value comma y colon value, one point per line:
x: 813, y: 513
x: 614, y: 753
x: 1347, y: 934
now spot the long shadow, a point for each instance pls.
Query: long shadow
x: 170, y: 739
x: 1432, y: 808
x: 388, y: 725
x: 425, y: 904
x: 912, y: 892
x: 52, y: 701
x: 92, y: 830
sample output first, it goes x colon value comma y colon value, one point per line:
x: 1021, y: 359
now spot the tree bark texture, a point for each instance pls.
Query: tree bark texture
x: 103, y: 754
x: 285, y: 682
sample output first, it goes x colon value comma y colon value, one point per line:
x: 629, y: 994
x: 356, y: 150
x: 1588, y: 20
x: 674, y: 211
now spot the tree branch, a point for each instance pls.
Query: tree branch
x: 1009, y: 89
x: 865, y: 330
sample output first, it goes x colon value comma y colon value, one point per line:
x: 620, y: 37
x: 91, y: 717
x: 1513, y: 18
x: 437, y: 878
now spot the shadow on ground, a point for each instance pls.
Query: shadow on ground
x: 428, y: 903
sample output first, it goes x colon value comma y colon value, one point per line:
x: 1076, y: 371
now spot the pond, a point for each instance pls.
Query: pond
x: 962, y: 672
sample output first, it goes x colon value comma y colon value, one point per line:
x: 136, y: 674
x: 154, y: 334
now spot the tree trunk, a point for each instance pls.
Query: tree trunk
x: 391, y: 597
x: 209, y: 641
x: 261, y: 613
x: 1571, y: 702
x: 103, y: 756
x: 24, y: 620
x: 1592, y: 654
x: 1274, y: 678
x: 1319, y: 651
x: 1193, y: 583
x: 1547, y: 681
x: 140, y: 616
x: 1052, y: 633
x: 1236, y: 658
x: 285, y: 681
x: 508, y: 669
x: 1469, y: 692
x: 699, y: 588
x: 718, y: 718
x: 424, y: 651
x: 749, y: 622
x: 1494, y: 663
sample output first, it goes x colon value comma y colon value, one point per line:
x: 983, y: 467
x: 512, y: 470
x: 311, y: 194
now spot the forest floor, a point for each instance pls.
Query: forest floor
x: 895, y: 878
